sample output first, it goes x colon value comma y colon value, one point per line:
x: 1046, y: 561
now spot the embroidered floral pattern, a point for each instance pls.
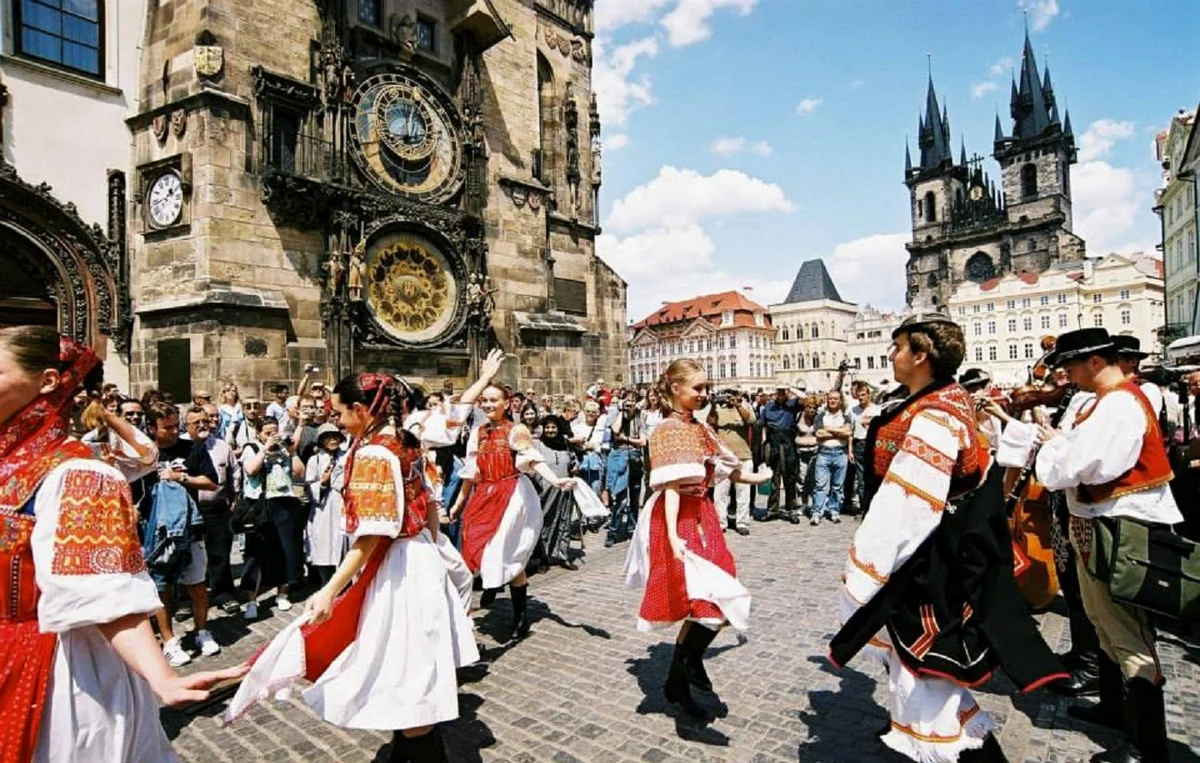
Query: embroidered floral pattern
x: 97, y: 527
x: 373, y: 489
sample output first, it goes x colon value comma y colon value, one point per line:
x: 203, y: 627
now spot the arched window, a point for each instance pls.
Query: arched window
x: 800, y: 331
x: 930, y: 207
x: 816, y: 361
x: 1029, y: 187
x: 816, y: 334
x: 979, y: 268
x: 785, y: 334
x: 546, y: 120
x: 786, y: 363
x: 800, y: 361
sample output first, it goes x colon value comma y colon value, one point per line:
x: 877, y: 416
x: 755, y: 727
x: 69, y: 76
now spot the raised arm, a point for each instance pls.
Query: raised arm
x: 487, y: 372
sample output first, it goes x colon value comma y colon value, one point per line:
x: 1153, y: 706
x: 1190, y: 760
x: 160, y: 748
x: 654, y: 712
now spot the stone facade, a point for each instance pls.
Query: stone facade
x: 398, y: 184
x: 965, y: 228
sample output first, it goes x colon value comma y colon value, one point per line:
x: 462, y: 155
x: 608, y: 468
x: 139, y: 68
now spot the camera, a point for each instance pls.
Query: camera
x: 1165, y: 376
x: 722, y: 399
x: 311, y: 369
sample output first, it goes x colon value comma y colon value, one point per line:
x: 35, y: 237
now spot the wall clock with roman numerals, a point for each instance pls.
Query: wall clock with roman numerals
x: 164, y: 201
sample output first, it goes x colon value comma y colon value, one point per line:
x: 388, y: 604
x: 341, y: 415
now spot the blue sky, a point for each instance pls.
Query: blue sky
x: 743, y: 137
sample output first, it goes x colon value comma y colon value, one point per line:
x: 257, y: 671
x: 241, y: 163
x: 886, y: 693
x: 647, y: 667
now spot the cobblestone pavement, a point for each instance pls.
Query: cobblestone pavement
x: 586, y: 686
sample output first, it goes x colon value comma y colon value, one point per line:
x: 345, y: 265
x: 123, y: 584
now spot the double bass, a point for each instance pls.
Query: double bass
x: 1027, y: 500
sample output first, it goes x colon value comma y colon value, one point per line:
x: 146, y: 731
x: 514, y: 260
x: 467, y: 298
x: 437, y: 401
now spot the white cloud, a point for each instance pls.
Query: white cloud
x: 1003, y: 66
x: 1041, y: 12
x: 1106, y: 204
x: 730, y: 146
x: 619, y: 91
x: 808, y: 105
x: 680, y: 198
x: 855, y: 84
x: 870, y: 270
x: 614, y: 14
x: 617, y: 142
x: 1100, y: 137
x: 688, y: 22
x: 980, y: 89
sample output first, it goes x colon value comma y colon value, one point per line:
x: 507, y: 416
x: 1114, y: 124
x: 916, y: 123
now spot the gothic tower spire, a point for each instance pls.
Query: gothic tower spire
x: 934, y: 135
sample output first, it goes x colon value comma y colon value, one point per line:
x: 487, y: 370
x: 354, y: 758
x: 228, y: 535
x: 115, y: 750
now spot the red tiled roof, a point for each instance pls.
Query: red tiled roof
x: 1027, y: 277
x: 708, y: 307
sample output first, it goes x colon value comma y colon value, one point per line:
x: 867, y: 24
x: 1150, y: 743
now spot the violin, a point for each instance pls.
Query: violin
x: 1029, y: 396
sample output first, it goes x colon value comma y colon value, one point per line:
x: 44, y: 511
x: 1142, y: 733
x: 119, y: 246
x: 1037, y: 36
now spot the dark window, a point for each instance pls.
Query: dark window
x: 368, y: 12
x: 175, y: 367
x: 1029, y: 185
x: 571, y: 296
x: 285, y: 134
x: 930, y: 204
x: 67, y: 33
x: 425, y: 35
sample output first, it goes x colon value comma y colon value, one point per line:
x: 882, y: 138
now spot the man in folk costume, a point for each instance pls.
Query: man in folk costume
x: 928, y: 588
x: 1113, y: 464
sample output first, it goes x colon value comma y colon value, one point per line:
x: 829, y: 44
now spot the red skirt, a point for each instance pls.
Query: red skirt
x: 482, y: 517
x: 666, y: 599
x: 26, y: 659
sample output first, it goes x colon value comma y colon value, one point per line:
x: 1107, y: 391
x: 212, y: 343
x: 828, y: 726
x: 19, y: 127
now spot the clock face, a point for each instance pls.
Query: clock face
x: 165, y: 200
x: 404, y: 136
x: 976, y: 193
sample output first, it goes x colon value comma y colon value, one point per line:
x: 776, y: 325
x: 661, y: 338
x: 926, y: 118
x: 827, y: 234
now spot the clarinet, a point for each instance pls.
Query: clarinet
x: 1018, y: 490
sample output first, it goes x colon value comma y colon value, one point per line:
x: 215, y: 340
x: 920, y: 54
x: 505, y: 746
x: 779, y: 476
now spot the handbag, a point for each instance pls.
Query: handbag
x: 249, y: 513
x: 1146, y: 566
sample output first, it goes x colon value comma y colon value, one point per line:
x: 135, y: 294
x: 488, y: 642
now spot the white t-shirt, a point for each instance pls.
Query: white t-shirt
x: 834, y: 421
x: 857, y: 411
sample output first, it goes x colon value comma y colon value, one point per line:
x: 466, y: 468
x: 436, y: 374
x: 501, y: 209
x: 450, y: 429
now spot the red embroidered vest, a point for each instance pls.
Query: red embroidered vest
x: 416, y: 497
x: 973, y: 460
x: 1152, y: 468
x: 495, y: 458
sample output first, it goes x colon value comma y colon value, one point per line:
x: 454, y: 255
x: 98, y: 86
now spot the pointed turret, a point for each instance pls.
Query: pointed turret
x: 999, y: 130
x: 962, y: 155
x: 934, y: 136
x: 1030, y: 107
x: 907, y: 160
x: 1067, y: 125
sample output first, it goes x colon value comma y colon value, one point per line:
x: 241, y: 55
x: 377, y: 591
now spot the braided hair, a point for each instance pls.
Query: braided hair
x: 388, y: 399
x: 677, y: 373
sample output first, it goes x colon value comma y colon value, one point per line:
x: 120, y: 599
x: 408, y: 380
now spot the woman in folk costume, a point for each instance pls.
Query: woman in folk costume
x: 81, y: 675
x: 679, y: 553
x: 558, y: 506
x: 382, y: 655
x: 928, y: 589
x: 501, y: 510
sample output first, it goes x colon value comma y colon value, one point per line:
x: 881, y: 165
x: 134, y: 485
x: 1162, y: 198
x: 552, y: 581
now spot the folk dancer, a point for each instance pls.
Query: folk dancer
x: 501, y: 509
x: 928, y: 590
x: 383, y: 654
x: 82, y: 673
x: 679, y: 554
x: 1113, y: 465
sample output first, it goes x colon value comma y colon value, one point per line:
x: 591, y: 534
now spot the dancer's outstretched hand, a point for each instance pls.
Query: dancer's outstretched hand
x: 491, y: 364
x: 677, y: 547
x: 178, y: 690
x: 319, y: 606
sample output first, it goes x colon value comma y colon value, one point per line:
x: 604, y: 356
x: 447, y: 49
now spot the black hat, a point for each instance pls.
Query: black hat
x: 917, y: 321
x: 1129, y: 347
x: 1079, y: 344
x: 975, y: 377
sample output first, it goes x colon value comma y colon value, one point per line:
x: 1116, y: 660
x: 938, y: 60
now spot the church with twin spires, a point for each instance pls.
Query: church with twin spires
x: 965, y: 227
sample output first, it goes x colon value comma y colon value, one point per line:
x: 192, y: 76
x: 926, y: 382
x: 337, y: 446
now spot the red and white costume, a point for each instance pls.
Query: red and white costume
x: 386, y: 659
x: 502, y: 521
x: 704, y: 586
x: 70, y: 560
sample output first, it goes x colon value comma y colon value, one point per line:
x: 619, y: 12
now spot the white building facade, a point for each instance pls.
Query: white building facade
x: 1004, y: 319
x: 1177, y: 207
x: 869, y: 344
x: 728, y: 334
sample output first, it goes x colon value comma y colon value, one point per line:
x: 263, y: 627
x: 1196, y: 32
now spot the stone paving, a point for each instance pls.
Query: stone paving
x: 586, y: 685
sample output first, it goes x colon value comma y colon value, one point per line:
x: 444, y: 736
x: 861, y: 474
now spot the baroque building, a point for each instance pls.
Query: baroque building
x: 360, y: 184
x: 727, y: 333
x: 66, y: 85
x: 1178, y: 209
x: 811, y: 325
x: 968, y: 229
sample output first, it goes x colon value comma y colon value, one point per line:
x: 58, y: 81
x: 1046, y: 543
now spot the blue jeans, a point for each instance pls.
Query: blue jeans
x: 830, y: 476
x: 623, y: 480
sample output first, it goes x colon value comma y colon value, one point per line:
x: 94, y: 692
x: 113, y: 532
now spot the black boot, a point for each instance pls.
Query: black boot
x: 1085, y: 676
x: 1145, y: 724
x: 520, y: 598
x: 1085, y: 645
x: 1109, y: 711
x: 427, y: 748
x: 677, y: 690
x: 488, y: 596
x: 399, y: 749
x: 991, y: 752
x: 697, y: 640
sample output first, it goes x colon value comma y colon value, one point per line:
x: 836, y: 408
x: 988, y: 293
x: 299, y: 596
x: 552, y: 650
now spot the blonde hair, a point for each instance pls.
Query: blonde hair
x: 677, y: 373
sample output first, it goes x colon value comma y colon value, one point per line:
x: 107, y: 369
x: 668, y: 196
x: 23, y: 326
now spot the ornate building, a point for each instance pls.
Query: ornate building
x: 730, y: 335
x: 812, y: 322
x: 965, y: 228
x: 1178, y: 209
x: 369, y: 183
x: 66, y: 88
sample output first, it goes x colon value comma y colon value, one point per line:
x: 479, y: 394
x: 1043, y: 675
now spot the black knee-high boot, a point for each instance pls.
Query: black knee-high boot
x: 697, y: 640
x: 677, y: 689
x: 427, y: 748
x: 520, y: 599
x: 1110, y: 710
x: 399, y: 749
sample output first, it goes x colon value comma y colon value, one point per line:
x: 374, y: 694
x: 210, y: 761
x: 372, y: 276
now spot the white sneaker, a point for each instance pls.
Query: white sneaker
x: 282, y: 603
x: 208, y: 645
x: 251, y: 610
x: 815, y: 520
x: 173, y: 651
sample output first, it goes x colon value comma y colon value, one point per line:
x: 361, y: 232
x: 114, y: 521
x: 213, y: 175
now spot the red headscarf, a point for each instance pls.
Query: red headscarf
x: 30, y: 440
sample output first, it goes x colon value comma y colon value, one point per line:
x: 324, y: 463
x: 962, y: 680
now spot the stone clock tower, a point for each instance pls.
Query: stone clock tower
x: 354, y: 184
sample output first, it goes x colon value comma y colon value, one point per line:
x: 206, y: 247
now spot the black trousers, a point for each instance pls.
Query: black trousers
x: 781, y: 457
x: 218, y: 543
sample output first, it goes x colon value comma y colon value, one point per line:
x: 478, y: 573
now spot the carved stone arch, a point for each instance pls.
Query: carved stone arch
x: 979, y: 268
x: 81, y: 270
